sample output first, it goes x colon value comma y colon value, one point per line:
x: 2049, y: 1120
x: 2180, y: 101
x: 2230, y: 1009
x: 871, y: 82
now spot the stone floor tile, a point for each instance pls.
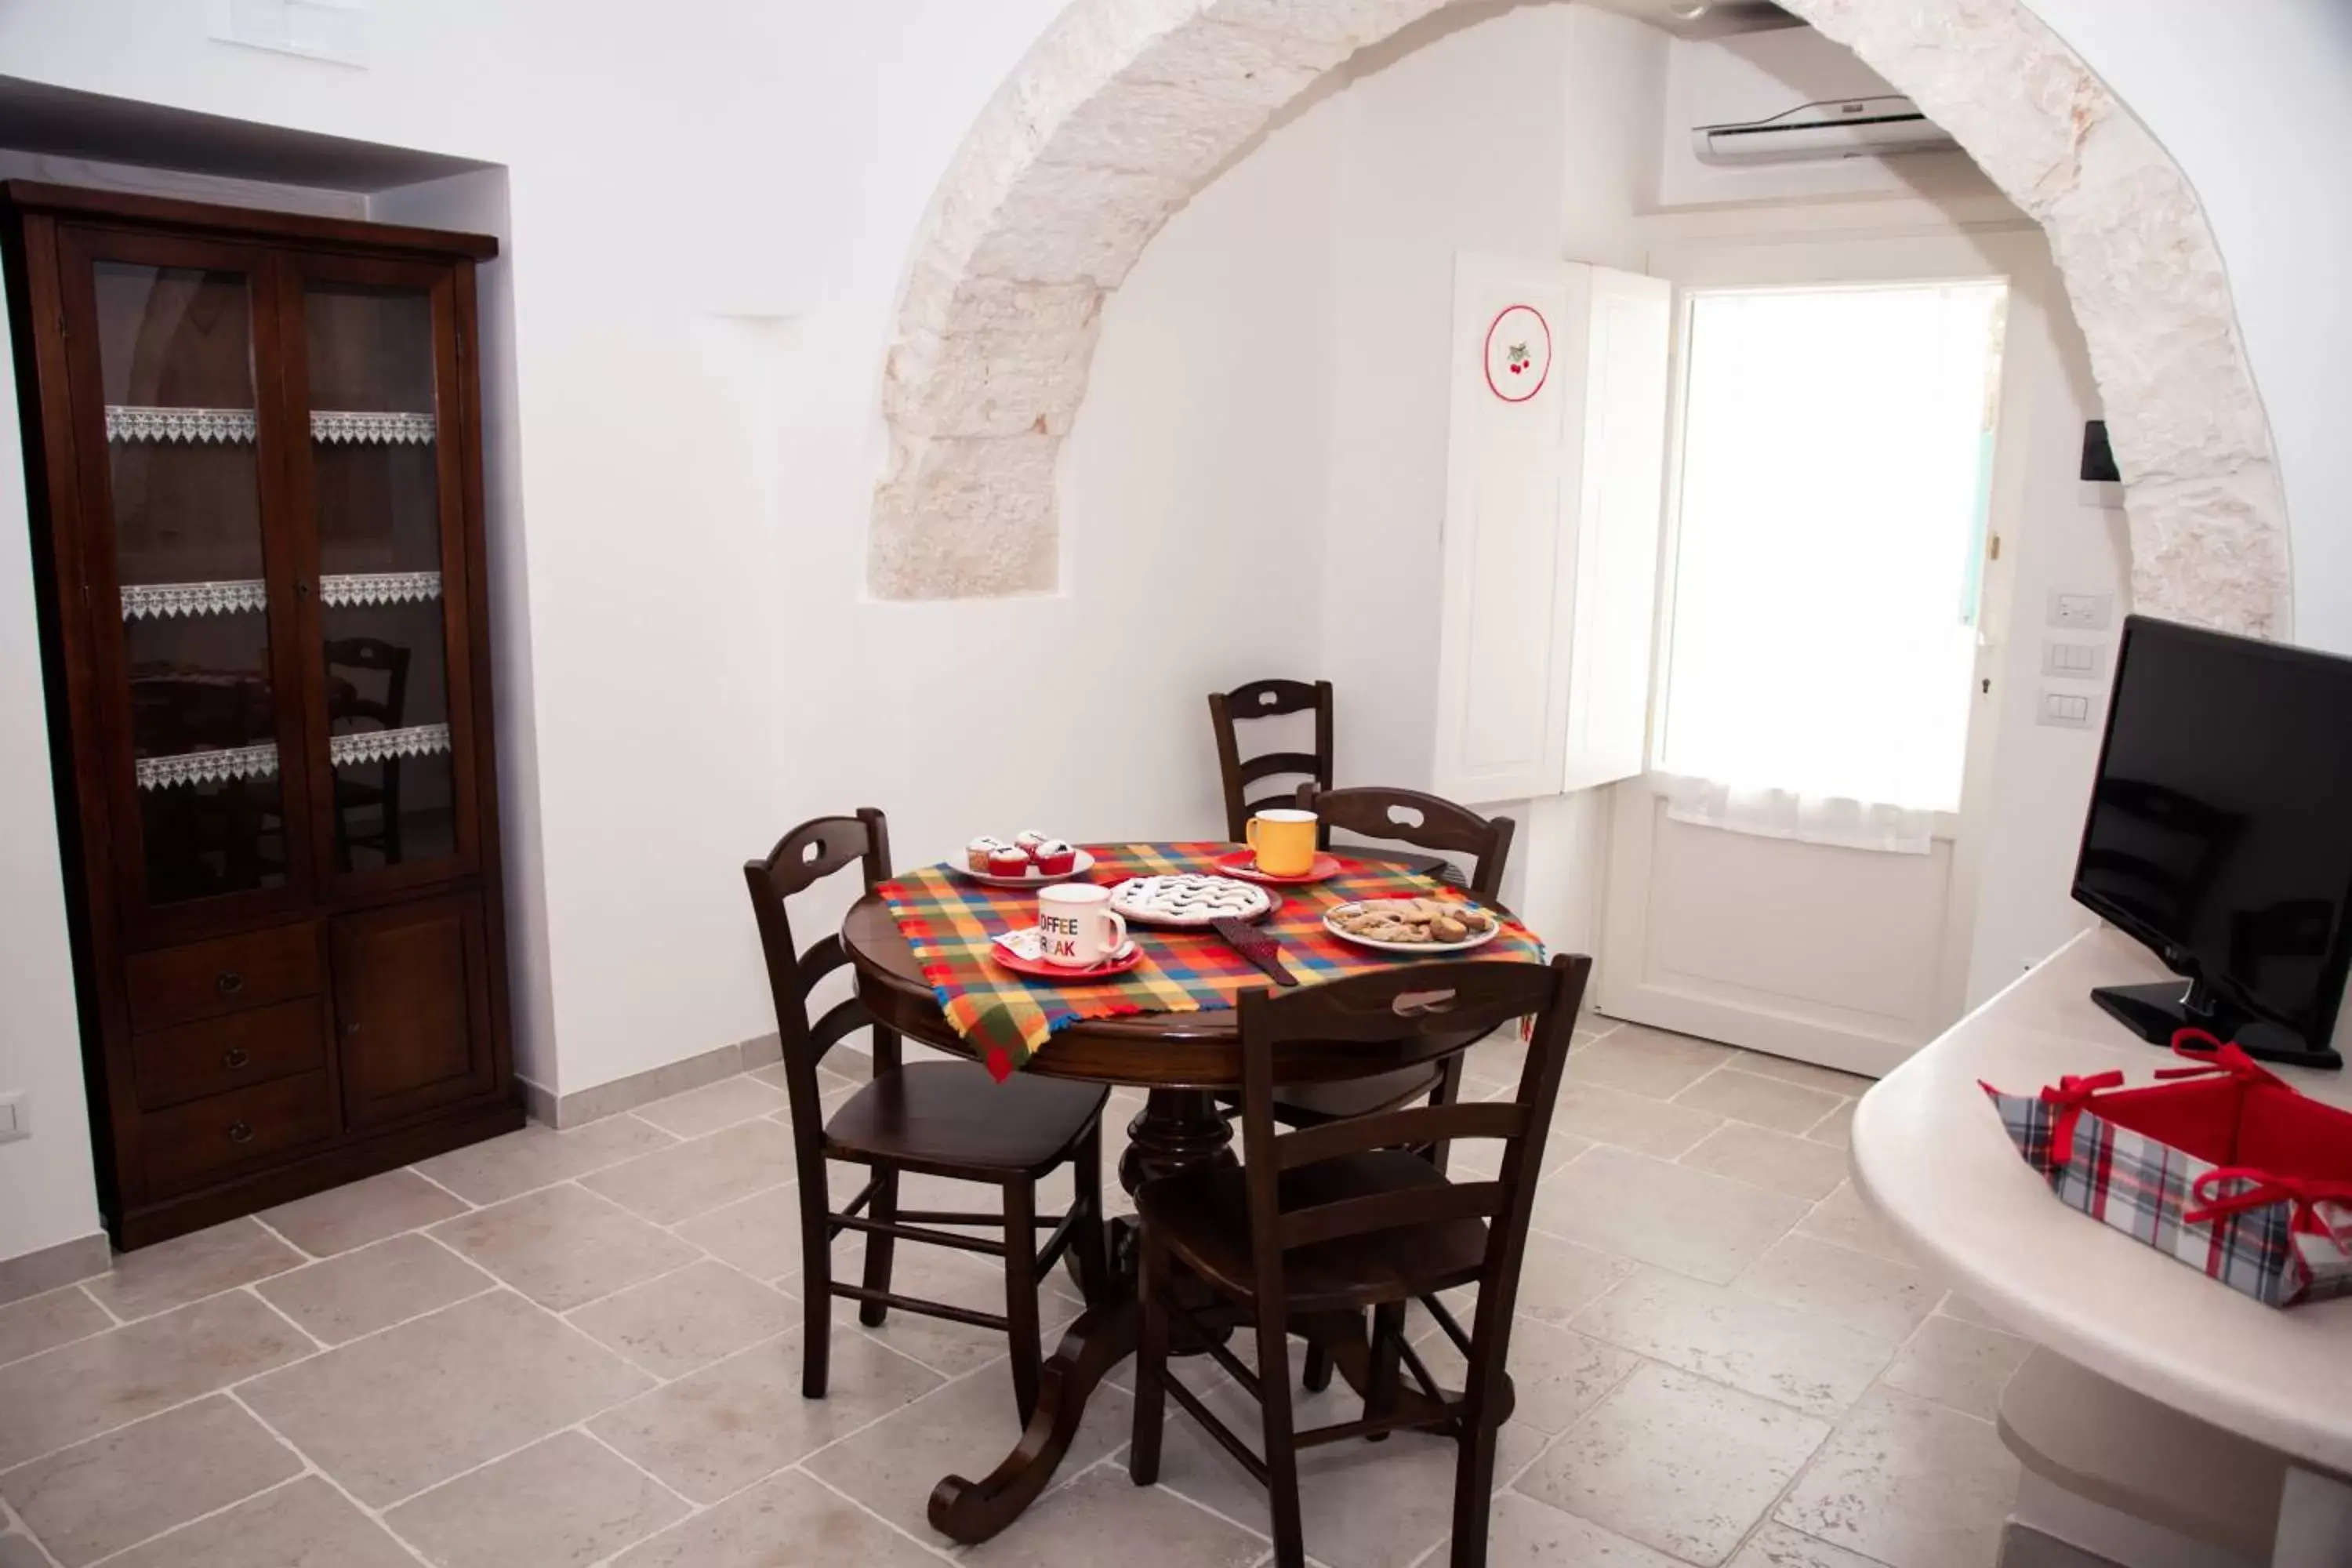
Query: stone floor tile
x: 18, y: 1552
x: 1962, y: 1364
x: 1842, y: 1217
x: 1558, y: 1279
x: 1836, y: 1129
x: 1763, y: 1158
x: 1645, y: 1061
x: 1557, y: 1373
x: 1104, y: 1517
x: 43, y: 1322
x: 1792, y: 1358
x: 1706, y: 1225
x: 714, y: 1106
x: 1908, y: 1483
x: 305, y: 1523
x: 359, y: 1293
x: 114, y: 1491
x: 737, y: 1420
x: 1363, y: 1505
x: 564, y: 1247
x: 1524, y: 1533
x: 760, y: 1235
x: 91, y: 1385
x: 345, y: 1217
x: 559, y: 1503
x: 1860, y: 1289
x: 671, y: 1325
x: 1608, y: 1115
x: 1777, y: 1546
x: 1765, y: 1101
x: 391, y: 1414
x: 540, y: 1156
x: 692, y: 1178
x: 190, y: 1268
x: 1853, y: 1086
x: 964, y: 1429
x: 786, y: 1521
x: 1968, y: 1309
x: 1676, y: 1463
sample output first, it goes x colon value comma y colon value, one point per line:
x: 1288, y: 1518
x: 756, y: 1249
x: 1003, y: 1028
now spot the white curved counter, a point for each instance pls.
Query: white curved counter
x: 1930, y: 1154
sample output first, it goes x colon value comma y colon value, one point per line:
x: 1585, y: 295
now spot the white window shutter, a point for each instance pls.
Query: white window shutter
x: 1617, y: 524
x: 1552, y: 533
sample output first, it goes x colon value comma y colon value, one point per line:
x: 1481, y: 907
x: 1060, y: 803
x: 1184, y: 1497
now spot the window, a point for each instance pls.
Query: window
x: 1836, y: 467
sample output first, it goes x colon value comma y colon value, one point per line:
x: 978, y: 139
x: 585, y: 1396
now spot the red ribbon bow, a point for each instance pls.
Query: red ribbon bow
x: 2213, y: 1057
x: 2071, y: 1096
x: 2262, y: 1190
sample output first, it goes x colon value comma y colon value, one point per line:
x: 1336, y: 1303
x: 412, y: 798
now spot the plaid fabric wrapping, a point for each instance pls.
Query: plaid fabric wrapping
x: 2147, y: 1189
x: 950, y: 921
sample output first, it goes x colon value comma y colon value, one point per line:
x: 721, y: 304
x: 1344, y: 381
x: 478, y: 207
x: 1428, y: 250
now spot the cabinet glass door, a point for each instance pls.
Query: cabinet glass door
x: 178, y: 569
x: 375, y: 382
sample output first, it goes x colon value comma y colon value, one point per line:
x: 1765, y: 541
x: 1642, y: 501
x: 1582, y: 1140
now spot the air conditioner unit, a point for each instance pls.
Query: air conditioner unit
x: 1818, y: 133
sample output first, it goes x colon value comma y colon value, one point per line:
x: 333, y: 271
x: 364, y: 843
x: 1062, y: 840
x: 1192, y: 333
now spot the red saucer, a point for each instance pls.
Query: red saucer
x: 1040, y: 969
x: 1243, y: 863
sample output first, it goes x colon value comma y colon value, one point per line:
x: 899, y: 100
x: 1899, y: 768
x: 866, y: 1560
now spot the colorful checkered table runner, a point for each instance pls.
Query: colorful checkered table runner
x: 950, y: 920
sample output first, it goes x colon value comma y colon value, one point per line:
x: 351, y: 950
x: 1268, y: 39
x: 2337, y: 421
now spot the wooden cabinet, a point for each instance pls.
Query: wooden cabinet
x: 254, y: 458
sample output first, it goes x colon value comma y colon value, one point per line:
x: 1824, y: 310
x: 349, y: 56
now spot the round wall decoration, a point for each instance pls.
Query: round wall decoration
x: 1518, y: 353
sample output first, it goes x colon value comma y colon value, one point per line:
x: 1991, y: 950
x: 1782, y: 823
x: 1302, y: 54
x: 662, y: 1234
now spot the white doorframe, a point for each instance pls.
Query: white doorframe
x: 1630, y: 984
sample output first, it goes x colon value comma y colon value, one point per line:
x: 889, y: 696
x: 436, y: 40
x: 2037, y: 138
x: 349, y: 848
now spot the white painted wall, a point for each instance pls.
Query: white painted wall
x: 47, y: 1195
x: 2254, y: 103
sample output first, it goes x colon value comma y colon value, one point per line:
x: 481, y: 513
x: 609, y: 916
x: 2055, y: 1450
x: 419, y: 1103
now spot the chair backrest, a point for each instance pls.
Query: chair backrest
x: 1240, y: 776
x: 1423, y: 821
x: 803, y: 858
x: 375, y: 656
x: 1419, y: 1002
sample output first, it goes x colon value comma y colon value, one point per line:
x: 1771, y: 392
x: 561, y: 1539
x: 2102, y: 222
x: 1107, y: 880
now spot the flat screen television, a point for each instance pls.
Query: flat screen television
x: 2219, y: 833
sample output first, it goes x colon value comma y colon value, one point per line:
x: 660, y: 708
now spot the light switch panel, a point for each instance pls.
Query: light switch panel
x: 2078, y: 612
x: 15, y: 1117
x: 2064, y: 711
x: 2074, y: 661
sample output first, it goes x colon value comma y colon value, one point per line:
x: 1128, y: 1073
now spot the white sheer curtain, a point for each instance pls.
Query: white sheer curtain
x: 1836, y: 458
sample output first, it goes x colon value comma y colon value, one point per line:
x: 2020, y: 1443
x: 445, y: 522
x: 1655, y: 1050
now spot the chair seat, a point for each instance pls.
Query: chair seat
x: 1204, y: 1218
x: 1308, y: 1103
x: 954, y: 1114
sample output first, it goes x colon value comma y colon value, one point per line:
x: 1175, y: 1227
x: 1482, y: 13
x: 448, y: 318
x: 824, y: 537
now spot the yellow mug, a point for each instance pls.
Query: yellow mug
x: 1284, y: 842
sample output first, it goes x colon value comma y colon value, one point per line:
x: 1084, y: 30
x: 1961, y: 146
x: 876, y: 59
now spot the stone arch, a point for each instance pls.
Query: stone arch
x: 1126, y: 108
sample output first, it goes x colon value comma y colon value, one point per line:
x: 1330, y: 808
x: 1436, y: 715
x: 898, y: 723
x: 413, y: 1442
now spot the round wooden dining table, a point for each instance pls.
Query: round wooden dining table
x: 1182, y: 1061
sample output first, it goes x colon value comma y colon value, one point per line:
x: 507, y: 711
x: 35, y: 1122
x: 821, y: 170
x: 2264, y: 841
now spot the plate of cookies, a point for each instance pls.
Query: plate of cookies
x: 1030, y: 860
x: 1418, y: 926
x: 1190, y: 899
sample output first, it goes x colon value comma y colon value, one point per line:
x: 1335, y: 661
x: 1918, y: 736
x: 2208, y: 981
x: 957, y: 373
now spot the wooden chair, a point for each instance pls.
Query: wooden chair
x: 1268, y: 700
x: 1424, y: 821
x: 1334, y: 1219
x: 940, y: 1119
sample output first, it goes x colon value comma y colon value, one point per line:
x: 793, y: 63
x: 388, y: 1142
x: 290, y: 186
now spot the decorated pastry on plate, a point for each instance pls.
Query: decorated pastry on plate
x: 1008, y: 860
x: 1054, y: 857
x: 1413, y: 922
x: 1189, y: 899
x: 977, y: 852
x: 1029, y: 838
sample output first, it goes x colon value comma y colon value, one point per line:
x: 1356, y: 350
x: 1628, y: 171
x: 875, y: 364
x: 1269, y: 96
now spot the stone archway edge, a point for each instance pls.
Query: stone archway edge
x: 1126, y: 108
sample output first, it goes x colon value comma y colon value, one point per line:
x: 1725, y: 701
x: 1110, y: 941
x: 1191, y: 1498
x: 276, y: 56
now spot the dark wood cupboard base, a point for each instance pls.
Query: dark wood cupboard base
x: 329, y: 1166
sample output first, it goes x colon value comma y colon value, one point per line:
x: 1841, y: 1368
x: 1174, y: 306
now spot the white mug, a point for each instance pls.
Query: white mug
x: 1077, y: 927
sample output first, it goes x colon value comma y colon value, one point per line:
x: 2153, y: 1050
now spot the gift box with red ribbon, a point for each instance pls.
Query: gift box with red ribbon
x: 2223, y: 1165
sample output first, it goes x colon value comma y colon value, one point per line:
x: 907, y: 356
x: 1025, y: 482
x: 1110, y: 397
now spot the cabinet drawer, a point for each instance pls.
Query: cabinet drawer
x: 184, y: 1145
x: 218, y: 1054
x: 227, y: 974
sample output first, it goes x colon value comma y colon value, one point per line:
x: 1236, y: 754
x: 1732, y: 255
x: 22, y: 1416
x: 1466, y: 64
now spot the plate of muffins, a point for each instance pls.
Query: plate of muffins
x: 1029, y: 859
